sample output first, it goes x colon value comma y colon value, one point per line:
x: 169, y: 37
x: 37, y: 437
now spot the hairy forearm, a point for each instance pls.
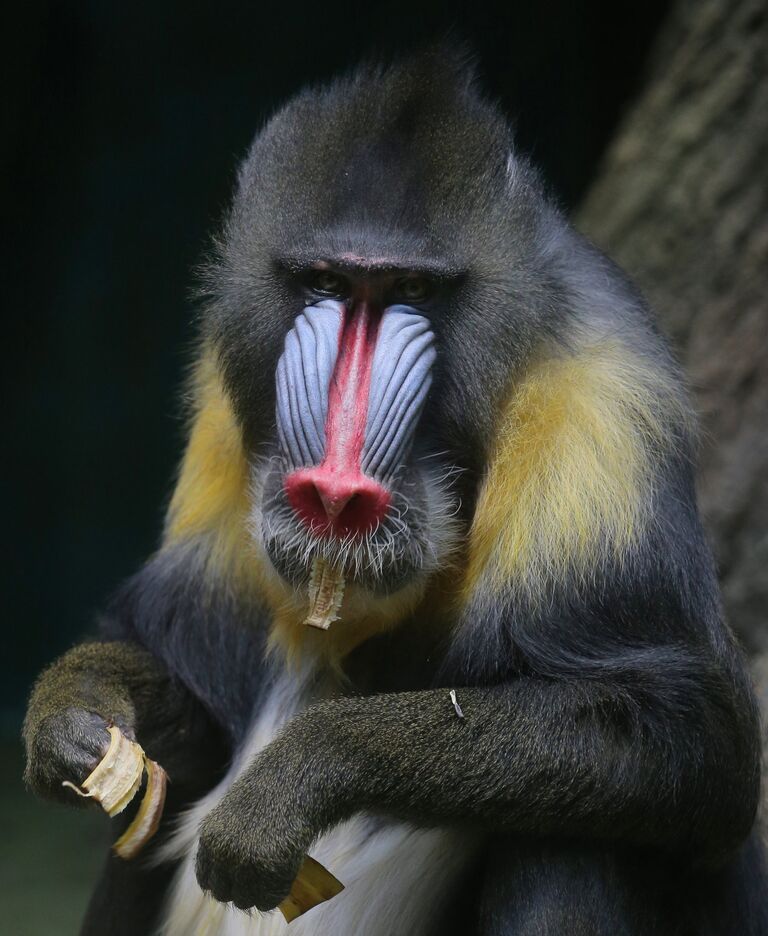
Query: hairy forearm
x: 110, y: 679
x: 530, y: 756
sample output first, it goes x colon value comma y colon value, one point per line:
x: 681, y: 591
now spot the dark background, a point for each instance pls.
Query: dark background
x: 125, y: 123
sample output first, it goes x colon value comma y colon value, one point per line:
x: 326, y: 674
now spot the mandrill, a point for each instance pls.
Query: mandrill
x: 433, y: 604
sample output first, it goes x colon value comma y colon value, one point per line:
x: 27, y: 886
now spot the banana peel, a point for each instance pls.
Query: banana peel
x: 114, y: 782
x: 147, y: 819
x: 116, y: 779
x: 314, y: 885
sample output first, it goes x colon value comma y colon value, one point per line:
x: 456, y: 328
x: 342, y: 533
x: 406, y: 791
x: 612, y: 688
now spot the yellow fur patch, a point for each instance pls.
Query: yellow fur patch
x: 572, y: 470
x: 211, y: 494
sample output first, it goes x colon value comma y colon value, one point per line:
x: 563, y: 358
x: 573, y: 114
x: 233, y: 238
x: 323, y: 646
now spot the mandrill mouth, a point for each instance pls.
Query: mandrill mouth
x: 351, y: 386
x: 414, y: 536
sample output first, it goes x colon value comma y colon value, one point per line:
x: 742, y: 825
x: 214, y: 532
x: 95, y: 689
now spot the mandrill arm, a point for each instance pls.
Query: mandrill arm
x: 119, y: 683
x: 664, y: 757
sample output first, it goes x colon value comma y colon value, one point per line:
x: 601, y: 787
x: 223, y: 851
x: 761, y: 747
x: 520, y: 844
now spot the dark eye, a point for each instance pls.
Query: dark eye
x: 328, y: 283
x: 414, y: 289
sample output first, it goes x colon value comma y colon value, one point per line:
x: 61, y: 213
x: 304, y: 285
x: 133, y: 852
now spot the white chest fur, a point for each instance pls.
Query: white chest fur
x: 396, y: 876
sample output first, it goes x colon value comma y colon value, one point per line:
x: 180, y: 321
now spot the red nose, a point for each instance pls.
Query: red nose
x: 339, y: 503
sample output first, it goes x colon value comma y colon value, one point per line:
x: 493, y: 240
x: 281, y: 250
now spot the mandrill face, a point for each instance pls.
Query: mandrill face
x: 379, y: 283
x: 347, y: 483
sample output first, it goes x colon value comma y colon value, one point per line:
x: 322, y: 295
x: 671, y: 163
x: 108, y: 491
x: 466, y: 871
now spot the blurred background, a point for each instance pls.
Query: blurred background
x: 124, y: 125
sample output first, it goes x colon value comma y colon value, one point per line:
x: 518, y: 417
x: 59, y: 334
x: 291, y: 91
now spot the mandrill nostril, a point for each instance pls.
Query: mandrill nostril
x: 334, y: 501
x: 336, y: 504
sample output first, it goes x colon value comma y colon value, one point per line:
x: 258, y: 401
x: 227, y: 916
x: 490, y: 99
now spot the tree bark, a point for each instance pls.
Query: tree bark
x: 681, y: 201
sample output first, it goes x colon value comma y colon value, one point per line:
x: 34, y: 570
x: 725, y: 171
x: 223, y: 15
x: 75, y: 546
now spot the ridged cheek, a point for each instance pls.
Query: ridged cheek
x: 304, y: 374
x: 392, y: 398
x: 400, y: 381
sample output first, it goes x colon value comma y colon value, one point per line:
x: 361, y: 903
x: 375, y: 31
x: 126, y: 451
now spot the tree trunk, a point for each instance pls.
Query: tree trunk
x: 681, y: 201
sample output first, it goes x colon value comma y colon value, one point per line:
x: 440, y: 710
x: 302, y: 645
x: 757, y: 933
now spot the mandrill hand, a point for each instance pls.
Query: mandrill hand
x: 64, y: 746
x: 246, y: 858
x: 253, y: 843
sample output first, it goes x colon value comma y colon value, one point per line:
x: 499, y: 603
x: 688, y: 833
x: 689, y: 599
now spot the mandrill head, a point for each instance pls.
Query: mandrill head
x: 378, y: 282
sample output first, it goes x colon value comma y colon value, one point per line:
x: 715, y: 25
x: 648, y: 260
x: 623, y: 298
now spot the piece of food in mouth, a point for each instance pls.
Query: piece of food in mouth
x: 326, y: 591
x: 114, y: 782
